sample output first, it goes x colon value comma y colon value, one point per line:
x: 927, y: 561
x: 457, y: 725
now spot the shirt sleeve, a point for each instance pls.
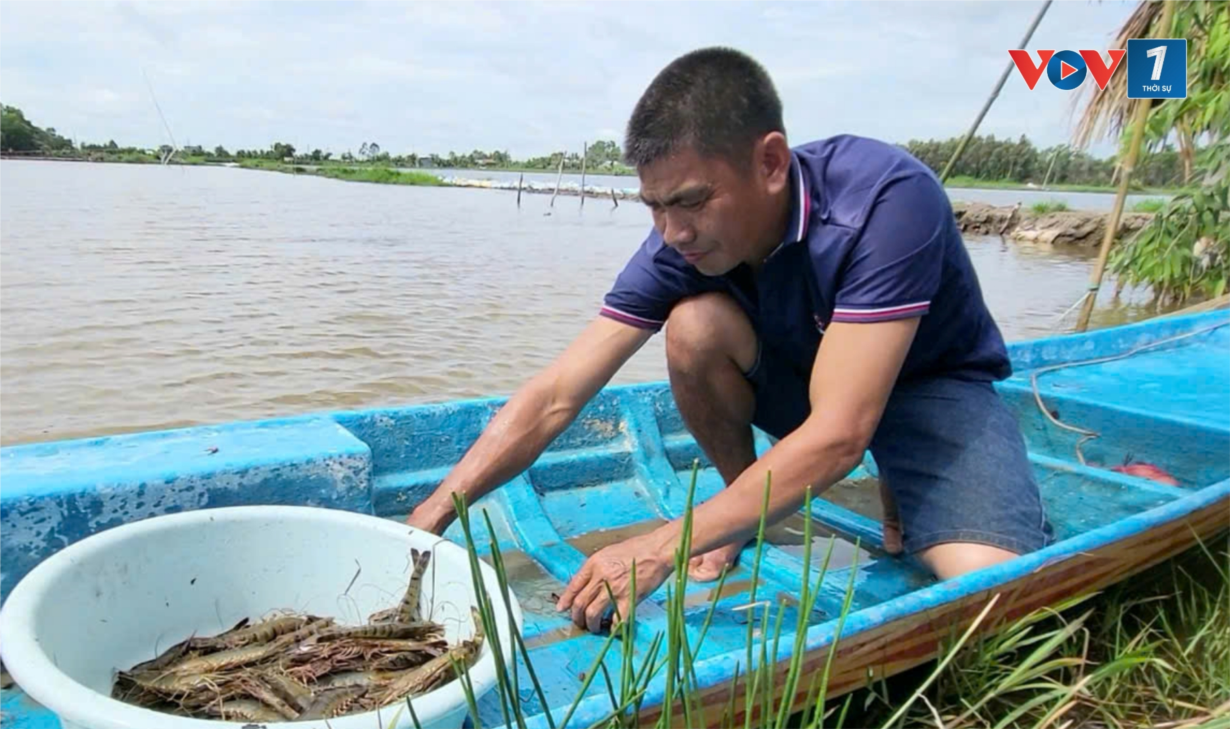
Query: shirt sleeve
x: 651, y: 283
x: 895, y: 267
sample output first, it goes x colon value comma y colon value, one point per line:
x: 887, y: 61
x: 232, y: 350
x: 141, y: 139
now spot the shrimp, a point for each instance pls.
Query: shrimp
x: 382, y: 630
x: 263, y: 632
x: 288, y: 688
x: 221, y: 661
x: 244, y: 709
x: 330, y: 703
x: 408, y: 611
x: 263, y: 692
x: 429, y: 674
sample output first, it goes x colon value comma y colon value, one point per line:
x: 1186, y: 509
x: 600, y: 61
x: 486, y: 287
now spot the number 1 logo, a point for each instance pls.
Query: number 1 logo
x: 1157, y: 68
x: 1159, y: 59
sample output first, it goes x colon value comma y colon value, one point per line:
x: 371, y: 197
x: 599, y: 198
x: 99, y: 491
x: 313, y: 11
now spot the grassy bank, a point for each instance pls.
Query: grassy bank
x: 961, y: 181
x: 377, y: 175
x: 1154, y: 651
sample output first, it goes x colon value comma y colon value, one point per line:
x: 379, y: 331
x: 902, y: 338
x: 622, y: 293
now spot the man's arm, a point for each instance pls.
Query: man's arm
x: 852, y: 378
x: 533, y: 417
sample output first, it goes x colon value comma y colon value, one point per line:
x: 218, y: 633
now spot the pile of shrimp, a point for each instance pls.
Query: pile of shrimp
x: 300, y: 667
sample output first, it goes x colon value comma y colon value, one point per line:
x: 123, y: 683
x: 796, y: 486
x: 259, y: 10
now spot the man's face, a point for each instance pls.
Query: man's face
x: 715, y: 214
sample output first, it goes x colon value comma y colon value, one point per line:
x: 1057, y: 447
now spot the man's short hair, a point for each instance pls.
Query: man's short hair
x: 718, y: 101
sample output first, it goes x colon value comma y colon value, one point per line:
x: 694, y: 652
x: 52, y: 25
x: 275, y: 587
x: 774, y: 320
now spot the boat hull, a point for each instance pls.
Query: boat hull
x: 1156, y: 393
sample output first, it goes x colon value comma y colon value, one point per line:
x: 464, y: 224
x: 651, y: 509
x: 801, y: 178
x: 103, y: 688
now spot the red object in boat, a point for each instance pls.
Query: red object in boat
x: 1149, y: 471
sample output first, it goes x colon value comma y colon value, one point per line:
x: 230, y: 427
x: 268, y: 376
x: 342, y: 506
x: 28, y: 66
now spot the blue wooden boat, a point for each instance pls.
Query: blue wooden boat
x: 1156, y: 392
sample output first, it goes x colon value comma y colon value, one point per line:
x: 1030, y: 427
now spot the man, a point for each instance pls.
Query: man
x: 822, y: 294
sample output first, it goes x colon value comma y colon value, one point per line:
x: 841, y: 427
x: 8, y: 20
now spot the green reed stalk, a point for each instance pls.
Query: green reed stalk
x: 675, y: 623
x: 846, y: 603
x: 807, y: 602
x: 944, y: 663
x: 497, y: 559
x: 749, y: 701
x: 414, y: 717
x: 486, y: 615
x: 682, y: 684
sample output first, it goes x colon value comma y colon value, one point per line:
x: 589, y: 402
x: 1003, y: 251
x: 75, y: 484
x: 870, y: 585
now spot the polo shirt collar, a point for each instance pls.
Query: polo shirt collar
x: 800, y: 202
x: 800, y: 205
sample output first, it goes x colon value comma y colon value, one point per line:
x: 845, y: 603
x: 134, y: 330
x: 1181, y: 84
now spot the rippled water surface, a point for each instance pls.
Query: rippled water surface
x: 138, y: 297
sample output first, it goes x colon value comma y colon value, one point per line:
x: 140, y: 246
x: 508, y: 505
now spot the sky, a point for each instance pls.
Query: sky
x: 529, y: 78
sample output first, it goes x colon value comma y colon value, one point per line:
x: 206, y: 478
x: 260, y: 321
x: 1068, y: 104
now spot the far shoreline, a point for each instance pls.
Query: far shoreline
x: 956, y: 183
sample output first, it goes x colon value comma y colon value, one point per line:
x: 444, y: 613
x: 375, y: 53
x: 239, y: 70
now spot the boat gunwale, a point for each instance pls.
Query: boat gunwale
x: 716, y: 672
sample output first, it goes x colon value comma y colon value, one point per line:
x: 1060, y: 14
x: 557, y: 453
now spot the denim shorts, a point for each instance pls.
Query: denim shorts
x: 950, y: 451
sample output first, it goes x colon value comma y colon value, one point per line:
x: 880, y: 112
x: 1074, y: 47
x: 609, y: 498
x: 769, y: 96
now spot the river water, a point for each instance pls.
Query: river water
x: 138, y: 297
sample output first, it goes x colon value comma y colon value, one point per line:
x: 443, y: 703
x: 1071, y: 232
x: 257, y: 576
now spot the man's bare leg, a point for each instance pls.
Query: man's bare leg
x: 709, y: 345
x: 952, y: 559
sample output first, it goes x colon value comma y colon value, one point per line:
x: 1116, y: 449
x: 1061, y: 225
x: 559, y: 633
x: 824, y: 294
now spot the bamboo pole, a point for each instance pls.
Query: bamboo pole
x: 1140, y: 115
x: 614, y: 199
x: 1050, y: 167
x: 520, y: 181
x: 986, y: 106
x: 584, y: 154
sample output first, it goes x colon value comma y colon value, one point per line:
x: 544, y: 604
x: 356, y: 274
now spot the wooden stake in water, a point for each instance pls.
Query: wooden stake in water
x: 584, y: 154
x: 614, y: 199
x: 520, y: 181
x: 558, y: 178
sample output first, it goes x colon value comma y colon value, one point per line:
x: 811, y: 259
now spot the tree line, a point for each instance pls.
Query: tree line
x: 985, y: 158
x: 1006, y: 160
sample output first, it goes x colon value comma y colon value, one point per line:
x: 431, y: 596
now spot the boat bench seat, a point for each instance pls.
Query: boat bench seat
x: 58, y: 493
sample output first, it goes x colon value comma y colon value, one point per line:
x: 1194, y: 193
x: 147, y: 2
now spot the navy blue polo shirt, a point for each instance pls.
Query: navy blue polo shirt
x: 872, y: 238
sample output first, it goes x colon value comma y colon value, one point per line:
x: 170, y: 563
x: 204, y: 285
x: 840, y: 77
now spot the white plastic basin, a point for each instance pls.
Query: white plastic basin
x: 125, y: 594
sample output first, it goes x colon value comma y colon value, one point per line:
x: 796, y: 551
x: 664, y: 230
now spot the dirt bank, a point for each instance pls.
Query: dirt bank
x: 1079, y: 228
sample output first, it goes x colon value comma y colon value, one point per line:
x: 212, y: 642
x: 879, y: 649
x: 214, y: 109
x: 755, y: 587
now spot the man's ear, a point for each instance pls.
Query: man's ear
x: 773, y: 162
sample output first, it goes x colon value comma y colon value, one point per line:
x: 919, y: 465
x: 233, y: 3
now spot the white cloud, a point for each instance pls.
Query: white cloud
x: 527, y: 77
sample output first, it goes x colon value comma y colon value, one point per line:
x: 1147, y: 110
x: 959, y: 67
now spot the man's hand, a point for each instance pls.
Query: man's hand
x: 586, y: 594
x: 854, y: 374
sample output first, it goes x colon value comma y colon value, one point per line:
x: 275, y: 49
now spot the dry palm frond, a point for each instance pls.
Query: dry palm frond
x: 1108, y: 109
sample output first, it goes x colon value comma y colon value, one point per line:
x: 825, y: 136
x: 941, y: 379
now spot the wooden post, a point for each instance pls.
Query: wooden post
x: 991, y: 99
x: 558, y: 177
x: 1140, y: 114
x: 520, y: 181
x: 614, y: 199
x: 584, y: 154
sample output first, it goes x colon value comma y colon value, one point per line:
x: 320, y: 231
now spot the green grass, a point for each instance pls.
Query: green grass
x: 973, y: 182
x: 1151, y: 205
x: 377, y: 175
x: 1049, y: 206
x: 1154, y: 651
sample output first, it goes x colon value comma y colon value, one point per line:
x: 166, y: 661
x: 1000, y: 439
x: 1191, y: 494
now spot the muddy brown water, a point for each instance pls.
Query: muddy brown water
x: 135, y: 297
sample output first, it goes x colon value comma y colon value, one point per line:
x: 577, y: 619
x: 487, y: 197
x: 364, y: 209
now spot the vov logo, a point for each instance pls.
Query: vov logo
x: 1156, y: 68
x: 1067, y: 70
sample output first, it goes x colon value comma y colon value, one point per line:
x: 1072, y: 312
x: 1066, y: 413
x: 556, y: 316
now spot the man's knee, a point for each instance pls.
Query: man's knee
x: 953, y: 559
x: 701, y: 329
